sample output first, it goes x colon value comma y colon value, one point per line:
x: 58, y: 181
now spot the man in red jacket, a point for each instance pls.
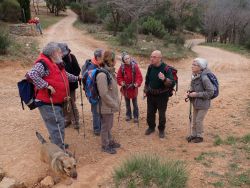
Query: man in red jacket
x: 130, y: 78
x: 48, y: 73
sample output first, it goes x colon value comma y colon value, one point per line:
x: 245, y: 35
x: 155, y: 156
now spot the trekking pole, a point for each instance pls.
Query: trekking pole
x: 119, y: 114
x: 190, y: 118
x: 57, y: 123
x: 80, y: 83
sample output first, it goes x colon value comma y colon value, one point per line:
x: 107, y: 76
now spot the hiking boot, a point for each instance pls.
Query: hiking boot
x: 190, y: 138
x: 108, y: 149
x: 114, y: 144
x: 161, y: 134
x: 67, y: 124
x: 197, y: 140
x: 97, y: 133
x: 136, y: 120
x: 128, y: 118
x: 149, y: 131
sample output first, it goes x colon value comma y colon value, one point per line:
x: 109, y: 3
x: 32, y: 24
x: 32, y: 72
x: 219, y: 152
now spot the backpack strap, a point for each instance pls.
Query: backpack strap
x: 133, y: 72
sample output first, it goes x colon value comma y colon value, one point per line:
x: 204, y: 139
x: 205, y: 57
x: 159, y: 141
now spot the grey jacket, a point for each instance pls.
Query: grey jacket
x: 109, y: 102
x: 203, y: 86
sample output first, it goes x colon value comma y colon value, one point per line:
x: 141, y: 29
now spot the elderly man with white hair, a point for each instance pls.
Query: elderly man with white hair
x: 48, y: 74
x: 200, y: 93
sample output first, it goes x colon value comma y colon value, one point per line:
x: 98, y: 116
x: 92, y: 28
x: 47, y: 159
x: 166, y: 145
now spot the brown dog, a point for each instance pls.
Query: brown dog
x: 63, y: 164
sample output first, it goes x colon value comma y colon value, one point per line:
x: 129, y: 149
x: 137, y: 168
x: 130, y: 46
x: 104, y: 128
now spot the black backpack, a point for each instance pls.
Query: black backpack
x: 27, y: 91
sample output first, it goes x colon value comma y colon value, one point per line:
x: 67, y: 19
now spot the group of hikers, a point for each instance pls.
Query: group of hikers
x: 56, y: 74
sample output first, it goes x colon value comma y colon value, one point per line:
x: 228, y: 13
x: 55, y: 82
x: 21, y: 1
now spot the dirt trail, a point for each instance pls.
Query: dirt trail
x: 19, y: 148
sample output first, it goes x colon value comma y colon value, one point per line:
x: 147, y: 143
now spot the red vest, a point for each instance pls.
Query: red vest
x: 57, y: 79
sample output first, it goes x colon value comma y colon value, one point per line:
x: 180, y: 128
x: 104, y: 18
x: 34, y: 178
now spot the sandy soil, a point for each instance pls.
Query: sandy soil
x: 19, y: 148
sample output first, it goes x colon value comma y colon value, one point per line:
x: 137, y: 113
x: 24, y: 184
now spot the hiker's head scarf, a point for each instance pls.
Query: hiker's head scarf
x: 201, y: 62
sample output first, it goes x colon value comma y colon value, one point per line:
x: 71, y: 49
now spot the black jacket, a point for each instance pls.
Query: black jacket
x: 72, y: 67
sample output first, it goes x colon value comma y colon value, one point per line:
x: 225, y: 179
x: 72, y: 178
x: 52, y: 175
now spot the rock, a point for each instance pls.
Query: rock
x: 8, y: 183
x: 47, y: 182
x: 2, y: 174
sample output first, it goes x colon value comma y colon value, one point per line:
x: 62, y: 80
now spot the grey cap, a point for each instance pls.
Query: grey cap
x: 201, y: 62
x: 64, y: 47
x: 50, y: 48
x: 98, y: 53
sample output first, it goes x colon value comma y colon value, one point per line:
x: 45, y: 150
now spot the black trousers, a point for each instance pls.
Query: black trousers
x: 154, y: 103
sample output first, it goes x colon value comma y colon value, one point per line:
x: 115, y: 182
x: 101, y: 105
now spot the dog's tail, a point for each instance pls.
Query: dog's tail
x: 40, y: 137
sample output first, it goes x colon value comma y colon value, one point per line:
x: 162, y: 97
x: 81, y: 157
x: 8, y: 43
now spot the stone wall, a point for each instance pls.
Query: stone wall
x: 23, y: 29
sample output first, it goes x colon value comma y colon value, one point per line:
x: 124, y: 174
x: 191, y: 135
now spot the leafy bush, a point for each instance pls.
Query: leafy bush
x: 4, y: 41
x: 11, y: 10
x: 149, y: 171
x: 173, y: 39
x: 127, y: 37
x: 153, y: 26
x: 76, y: 7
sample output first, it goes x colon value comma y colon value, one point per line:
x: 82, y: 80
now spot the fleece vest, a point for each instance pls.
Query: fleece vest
x: 57, y: 78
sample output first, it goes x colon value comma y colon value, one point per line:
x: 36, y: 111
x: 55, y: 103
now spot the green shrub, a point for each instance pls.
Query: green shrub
x: 4, y: 41
x: 173, y: 39
x: 153, y: 26
x: 149, y: 171
x: 11, y: 10
x: 127, y: 37
x: 218, y: 141
x: 76, y: 7
x: 246, y: 139
x: 231, y: 140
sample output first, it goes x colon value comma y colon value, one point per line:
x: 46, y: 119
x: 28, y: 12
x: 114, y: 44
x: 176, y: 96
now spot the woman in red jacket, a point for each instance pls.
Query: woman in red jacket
x: 130, y: 78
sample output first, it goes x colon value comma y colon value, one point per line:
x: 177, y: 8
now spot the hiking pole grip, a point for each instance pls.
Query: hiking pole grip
x: 49, y: 92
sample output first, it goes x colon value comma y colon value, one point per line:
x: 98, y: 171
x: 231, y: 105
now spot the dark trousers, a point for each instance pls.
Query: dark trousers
x: 135, y: 107
x: 154, y: 103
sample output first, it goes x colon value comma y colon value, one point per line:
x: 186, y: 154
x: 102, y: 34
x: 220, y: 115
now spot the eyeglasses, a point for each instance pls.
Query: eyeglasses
x: 195, y: 64
x: 154, y: 57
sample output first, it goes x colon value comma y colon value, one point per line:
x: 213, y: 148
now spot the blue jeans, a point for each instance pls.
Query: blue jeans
x: 50, y: 122
x: 135, y: 108
x: 96, y: 118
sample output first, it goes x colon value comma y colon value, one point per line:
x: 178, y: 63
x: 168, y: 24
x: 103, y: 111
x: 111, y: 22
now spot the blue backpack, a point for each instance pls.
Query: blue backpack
x: 90, y: 85
x: 27, y: 91
x: 215, y: 83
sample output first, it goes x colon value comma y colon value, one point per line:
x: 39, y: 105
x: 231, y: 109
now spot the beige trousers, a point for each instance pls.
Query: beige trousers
x: 107, y: 124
